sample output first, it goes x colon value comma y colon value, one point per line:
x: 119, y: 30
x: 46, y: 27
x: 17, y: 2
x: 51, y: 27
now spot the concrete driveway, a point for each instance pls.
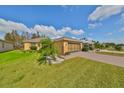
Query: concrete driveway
x: 114, y: 60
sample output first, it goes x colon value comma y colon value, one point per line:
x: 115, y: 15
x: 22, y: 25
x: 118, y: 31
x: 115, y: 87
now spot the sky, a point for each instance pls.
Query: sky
x: 100, y: 23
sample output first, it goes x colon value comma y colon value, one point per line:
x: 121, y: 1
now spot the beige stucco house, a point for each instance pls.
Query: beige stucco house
x: 6, y: 46
x: 32, y: 42
x: 67, y: 45
x: 63, y: 44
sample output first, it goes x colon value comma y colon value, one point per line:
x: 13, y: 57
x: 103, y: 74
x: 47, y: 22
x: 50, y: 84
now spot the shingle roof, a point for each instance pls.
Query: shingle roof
x: 87, y: 41
x: 67, y: 38
x: 35, y: 40
x: 6, y: 41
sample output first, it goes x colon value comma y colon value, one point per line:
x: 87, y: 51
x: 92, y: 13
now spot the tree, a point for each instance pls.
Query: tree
x: 8, y: 37
x: 38, y: 34
x: 14, y: 37
x: 33, y: 48
x: 47, y: 50
x: 27, y: 35
x: 91, y: 47
x: 43, y: 36
x: 97, y: 44
x: 86, y: 47
x: 118, y: 47
x: 34, y: 36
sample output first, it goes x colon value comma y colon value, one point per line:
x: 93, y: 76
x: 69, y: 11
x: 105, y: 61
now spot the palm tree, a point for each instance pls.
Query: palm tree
x: 47, y: 51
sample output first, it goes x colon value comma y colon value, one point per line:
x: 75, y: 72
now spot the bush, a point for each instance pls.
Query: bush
x: 33, y: 48
x: 86, y: 47
x: 47, y: 50
x: 91, y: 47
x: 118, y: 48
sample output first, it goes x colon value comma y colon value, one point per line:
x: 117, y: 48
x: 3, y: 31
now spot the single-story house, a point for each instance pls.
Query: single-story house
x: 67, y: 45
x: 63, y: 44
x: 6, y: 46
x: 90, y: 42
x: 32, y: 42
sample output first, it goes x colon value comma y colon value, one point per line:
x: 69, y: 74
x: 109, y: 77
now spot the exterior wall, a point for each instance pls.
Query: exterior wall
x: 74, y: 47
x: 81, y: 44
x: 5, y: 46
x: 38, y: 46
x: 59, y: 46
x: 27, y: 46
x: 62, y: 46
x: 65, y: 47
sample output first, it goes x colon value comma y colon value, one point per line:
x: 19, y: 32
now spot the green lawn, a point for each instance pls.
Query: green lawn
x: 18, y: 69
x: 113, y: 54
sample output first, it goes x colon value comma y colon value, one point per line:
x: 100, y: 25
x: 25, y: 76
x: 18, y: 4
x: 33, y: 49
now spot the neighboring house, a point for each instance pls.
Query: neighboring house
x: 32, y: 42
x: 87, y: 42
x: 64, y: 44
x: 6, y: 46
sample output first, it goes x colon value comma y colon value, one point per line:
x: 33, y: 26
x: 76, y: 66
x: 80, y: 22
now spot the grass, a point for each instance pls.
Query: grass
x: 20, y: 69
x: 12, y: 55
x: 113, y: 54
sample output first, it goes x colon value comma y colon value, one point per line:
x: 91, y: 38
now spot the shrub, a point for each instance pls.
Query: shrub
x: 91, y: 47
x: 33, y: 48
x: 47, y: 50
x: 118, y: 48
x: 86, y: 47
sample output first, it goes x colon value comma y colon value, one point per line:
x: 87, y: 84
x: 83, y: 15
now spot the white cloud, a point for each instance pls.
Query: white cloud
x: 2, y: 35
x: 74, y: 37
x: 109, y: 34
x: 94, y: 25
x: 63, y: 30
x: 122, y: 15
x: 70, y: 30
x: 89, y: 38
x: 121, y: 20
x: 103, y: 12
x: 64, y: 6
x: 76, y: 31
x: 52, y: 32
x: 121, y: 30
x: 47, y: 30
x: 7, y: 26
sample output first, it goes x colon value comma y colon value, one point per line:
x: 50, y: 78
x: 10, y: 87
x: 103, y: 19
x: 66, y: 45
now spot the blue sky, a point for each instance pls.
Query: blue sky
x: 102, y: 23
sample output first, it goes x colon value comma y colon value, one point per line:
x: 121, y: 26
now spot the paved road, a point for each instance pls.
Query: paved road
x: 119, y: 61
